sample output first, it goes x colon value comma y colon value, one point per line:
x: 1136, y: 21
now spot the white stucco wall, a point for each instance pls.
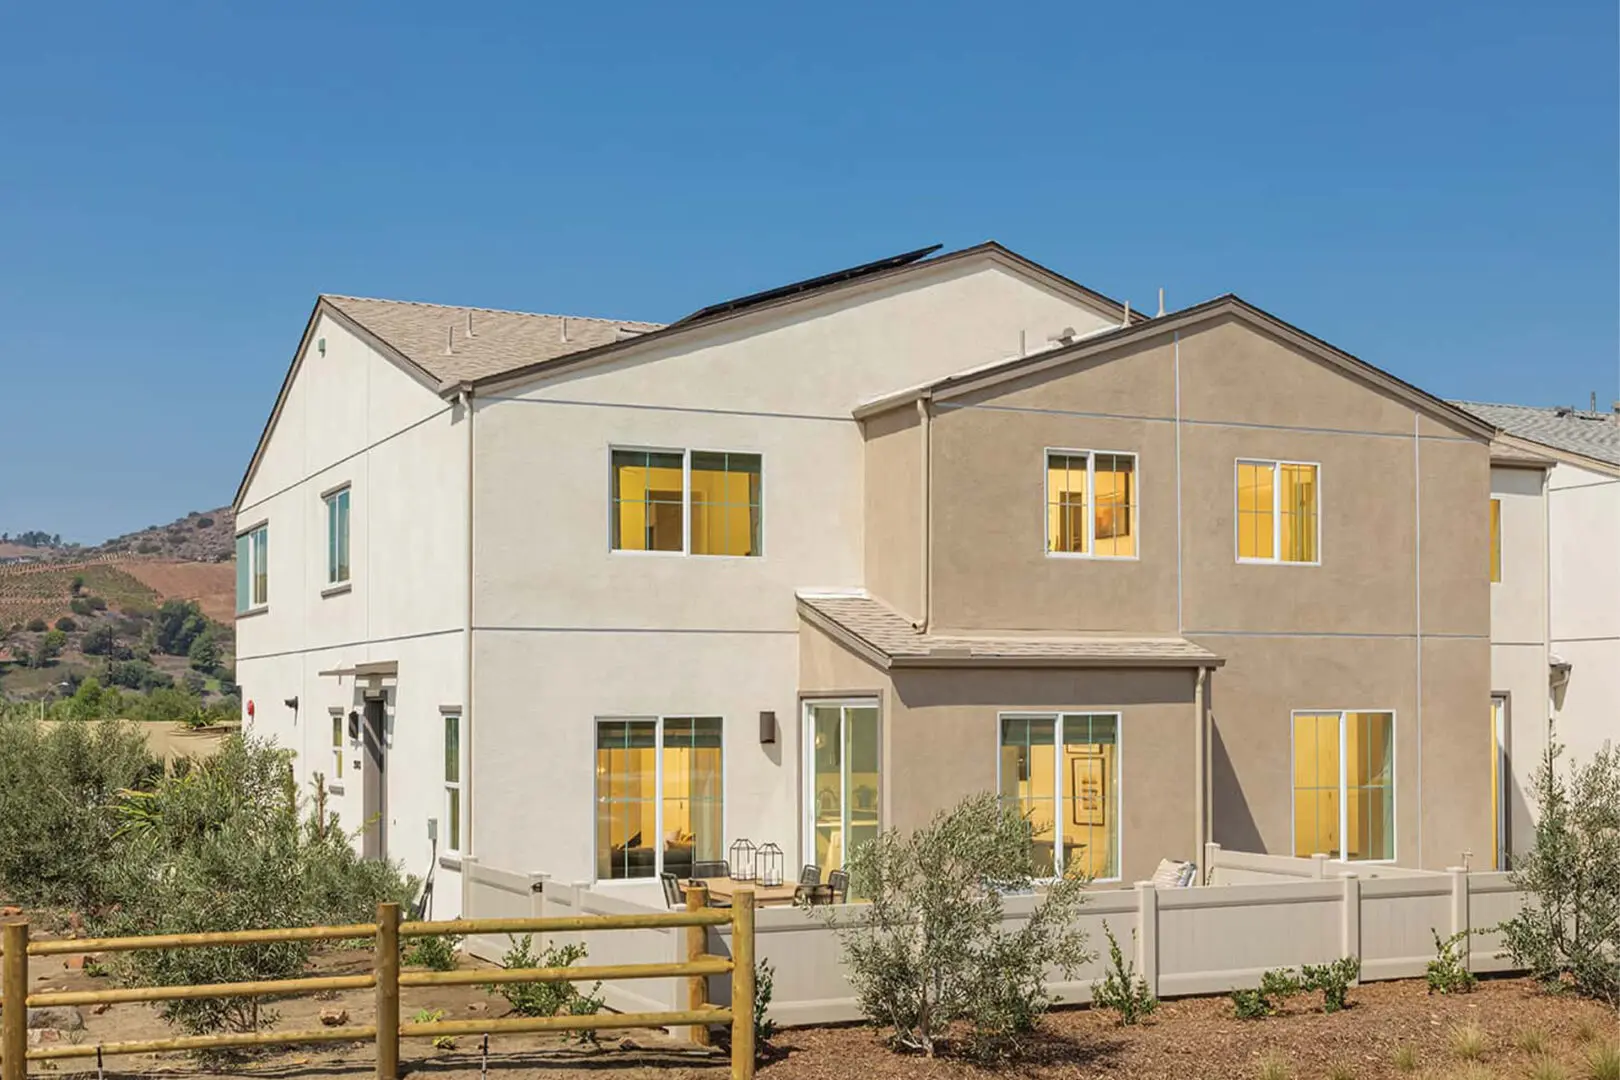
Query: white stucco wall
x: 1519, y: 635
x: 351, y: 416
x: 568, y: 631
x: 1584, y: 509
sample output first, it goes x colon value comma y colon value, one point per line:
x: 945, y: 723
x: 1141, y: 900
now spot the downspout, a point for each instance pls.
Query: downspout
x: 1200, y: 776
x: 926, y: 497
x: 1417, y: 576
x: 1546, y: 602
x: 469, y: 728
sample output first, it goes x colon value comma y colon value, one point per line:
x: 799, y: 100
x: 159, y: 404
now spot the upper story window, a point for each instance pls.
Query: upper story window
x: 337, y: 536
x: 1091, y: 503
x: 1278, y: 512
x: 252, y: 573
x: 1496, y: 540
x: 693, y: 502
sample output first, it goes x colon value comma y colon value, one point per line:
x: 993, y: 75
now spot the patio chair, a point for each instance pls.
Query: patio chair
x: 719, y: 868
x: 1172, y: 874
x: 837, y: 887
x: 810, y: 874
x: 672, y: 890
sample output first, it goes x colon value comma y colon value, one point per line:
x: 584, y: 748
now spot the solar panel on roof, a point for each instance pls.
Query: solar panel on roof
x: 837, y: 277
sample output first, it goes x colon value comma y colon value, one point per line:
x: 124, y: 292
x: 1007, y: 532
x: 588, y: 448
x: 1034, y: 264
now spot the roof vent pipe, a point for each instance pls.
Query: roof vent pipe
x: 450, y: 339
x: 565, y: 328
x: 1161, y: 302
x: 469, y: 325
x: 1127, y: 321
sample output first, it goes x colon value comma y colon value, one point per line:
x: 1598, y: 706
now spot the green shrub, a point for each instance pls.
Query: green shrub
x: 57, y: 786
x: 1250, y: 1005
x: 1448, y: 972
x: 764, y: 990
x: 1333, y: 980
x: 1569, y: 932
x: 178, y: 624
x: 36, y: 626
x: 80, y: 606
x: 436, y: 952
x: 76, y: 586
x: 96, y: 603
x: 1279, y: 984
x: 225, y: 846
x: 203, y: 653
x: 98, y: 641
x: 66, y: 624
x: 929, y: 949
x: 1122, y: 990
x: 550, y: 998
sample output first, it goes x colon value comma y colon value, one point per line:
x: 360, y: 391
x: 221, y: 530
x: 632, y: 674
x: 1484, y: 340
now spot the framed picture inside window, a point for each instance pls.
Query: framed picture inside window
x: 1088, y: 773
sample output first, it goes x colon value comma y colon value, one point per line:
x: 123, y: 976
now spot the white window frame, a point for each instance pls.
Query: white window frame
x: 658, y: 786
x: 329, y: 499
x: 807, y: 769
x: 339, y: 747
x: 1344, y: 801
x: 1091, y: 504
x: 1057, y: 777
x: 459, y: 785
x: 1276, y: 514
x: 256, y: 605
x: 686, y: 504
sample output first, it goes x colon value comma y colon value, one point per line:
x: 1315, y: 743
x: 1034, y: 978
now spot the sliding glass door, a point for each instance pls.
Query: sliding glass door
x: 841, y: 780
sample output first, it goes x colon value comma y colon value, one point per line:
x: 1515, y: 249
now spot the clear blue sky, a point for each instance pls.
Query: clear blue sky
x: 1430, y: 186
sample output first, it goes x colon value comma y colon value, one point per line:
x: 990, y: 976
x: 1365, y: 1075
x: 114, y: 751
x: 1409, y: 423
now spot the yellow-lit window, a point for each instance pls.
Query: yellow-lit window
x: 1062, y: 773
x: 1277, y: 512
x: 1496, y: 540
x: 649, y: 500
x: 1091, y: 503
x: 725, y: 503
x: 841, y: 760
x: 1344, y: 785
x: 659, y: 796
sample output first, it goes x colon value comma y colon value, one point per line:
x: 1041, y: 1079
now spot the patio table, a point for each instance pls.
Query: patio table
x: 724, y: 888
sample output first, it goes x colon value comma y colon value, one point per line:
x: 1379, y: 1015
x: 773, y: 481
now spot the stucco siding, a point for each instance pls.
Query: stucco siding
x: 894, y: 507
x: 1584, y: 510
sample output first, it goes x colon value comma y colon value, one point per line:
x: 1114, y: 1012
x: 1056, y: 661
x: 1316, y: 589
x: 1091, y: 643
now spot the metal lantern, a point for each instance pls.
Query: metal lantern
x: 770, y: 865
x: 743, y: 866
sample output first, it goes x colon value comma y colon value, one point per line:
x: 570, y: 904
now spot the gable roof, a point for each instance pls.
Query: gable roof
x: 888, y: 639
x: 506, y: 346
x: 1228, y: 305
x: 1593, y: 435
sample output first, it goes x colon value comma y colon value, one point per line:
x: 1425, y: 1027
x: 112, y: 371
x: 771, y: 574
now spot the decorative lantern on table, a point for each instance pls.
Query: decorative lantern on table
x: 770, y: 866
x: 743, y: 866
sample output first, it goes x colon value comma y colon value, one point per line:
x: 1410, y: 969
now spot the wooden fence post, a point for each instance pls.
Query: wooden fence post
x: 14, y: 987
x: 1350, y: 930
x: 697, y: 946
x: 1460, y: 913
x: 386, y: 965
x: 1147, y: 934
x: 742, y: 985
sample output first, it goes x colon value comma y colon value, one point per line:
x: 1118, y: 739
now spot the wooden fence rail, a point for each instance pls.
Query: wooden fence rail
x: 385, y: 978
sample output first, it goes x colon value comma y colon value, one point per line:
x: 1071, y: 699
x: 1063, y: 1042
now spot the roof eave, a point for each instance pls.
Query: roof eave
x: 1138, y: 662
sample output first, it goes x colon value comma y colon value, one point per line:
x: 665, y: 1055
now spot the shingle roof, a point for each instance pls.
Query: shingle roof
x: 889, y: 639
x: 500, y: 341
x: 1596, y: 435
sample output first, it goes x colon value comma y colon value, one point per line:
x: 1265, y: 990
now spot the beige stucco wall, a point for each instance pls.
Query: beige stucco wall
x: 894, y: 508
x: 1343, y: 634
x: 940, y: 737
x: 1584, y: 509
x: 352, y: 416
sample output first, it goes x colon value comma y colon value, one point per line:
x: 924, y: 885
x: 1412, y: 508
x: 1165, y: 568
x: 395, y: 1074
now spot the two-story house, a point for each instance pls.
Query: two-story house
x: 595, y: 599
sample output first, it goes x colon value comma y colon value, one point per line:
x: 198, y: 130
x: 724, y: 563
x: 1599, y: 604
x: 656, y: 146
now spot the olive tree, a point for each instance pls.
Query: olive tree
x: 930, y: 949
x: 1569, y: 929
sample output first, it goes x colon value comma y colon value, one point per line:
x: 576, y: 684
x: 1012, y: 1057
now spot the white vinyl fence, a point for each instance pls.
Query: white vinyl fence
x: 1259, y: 912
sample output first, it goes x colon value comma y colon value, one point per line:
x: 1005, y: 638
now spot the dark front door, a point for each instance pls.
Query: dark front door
x: 374, y: 781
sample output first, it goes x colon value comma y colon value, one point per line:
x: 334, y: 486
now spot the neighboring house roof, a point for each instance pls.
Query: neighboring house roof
x: 1229, y: 305
x: 888, y: 639
x: 1593, y: 435
x: 464, y: 344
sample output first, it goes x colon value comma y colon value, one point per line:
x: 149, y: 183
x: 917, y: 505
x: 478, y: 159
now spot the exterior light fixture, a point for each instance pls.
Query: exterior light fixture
x: 767, y: 728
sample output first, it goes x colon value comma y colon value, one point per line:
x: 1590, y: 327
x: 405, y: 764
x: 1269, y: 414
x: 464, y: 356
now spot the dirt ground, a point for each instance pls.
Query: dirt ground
x: 212, y: 585
x: 1187, y: 1038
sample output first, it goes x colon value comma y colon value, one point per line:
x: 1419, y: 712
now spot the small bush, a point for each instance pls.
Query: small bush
x: 1448, y: 972
x: 1250, y: 1005
x: 1280, y: 984
x: 436, y: 952
x: 77, y: 584
x: 98, y: 641
x: 547, y: 999
x: 36, y: 626
x: 1340, y: 1071
x: 1547, y: 1069
x: 1333, y: 980
x: 764, y: 990
x: 67, y: 624
x: 1405, y: 1058
x: 96, y: 603
x: 929, y: 949
x: 1122, y: 990
x: 80, y: 606
x: 148, y: 547
x: 1274, y: 1068
x: 1468, y: 1041
x: 205, y: 522
x: 1532, y: 1041
x: 433, y: 1016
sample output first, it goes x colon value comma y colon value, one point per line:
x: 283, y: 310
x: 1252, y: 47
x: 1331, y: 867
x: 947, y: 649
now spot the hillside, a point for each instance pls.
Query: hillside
x: 199, y: 537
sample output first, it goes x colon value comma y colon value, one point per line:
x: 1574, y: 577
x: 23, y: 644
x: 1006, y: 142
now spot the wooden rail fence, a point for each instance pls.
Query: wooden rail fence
x: 386, y: 979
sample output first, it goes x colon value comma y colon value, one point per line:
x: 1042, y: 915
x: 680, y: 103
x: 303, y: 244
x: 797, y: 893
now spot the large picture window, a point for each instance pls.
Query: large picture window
x: 1091, y: 503
x: 252, y: 571
x: 1344, y: 785
x: 1277, y: 512
x: 1061, y: 771
x: 697, y: 502
x: 841, y: 762
x: 659, y: 796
